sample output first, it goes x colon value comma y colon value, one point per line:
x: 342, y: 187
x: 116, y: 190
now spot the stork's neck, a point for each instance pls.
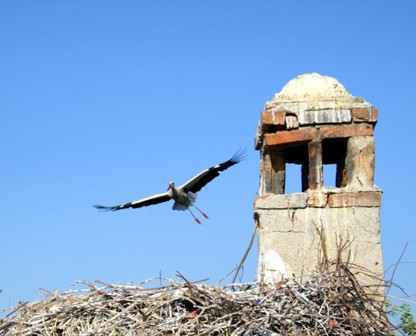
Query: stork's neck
x: 173, y: 192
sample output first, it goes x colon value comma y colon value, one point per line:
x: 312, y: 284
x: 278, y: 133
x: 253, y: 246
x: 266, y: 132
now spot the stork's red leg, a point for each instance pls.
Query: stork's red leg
x: 196, y: 219
x: 203, y: 213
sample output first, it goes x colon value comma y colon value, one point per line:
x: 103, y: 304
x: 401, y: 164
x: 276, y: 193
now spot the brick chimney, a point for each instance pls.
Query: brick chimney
x: 313, y: 123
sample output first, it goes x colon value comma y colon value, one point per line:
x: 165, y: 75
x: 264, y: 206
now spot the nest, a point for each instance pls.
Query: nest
x: 327, y: 304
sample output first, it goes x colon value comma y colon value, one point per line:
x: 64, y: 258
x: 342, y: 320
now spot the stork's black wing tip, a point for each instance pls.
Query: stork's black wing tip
x: 105, y: 208
x: 239, y: 155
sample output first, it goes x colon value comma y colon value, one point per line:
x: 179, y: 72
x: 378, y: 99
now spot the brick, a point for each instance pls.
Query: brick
x: 272, y: 118
x: 296, y: 136
x: 369, y: 114
x: 317, y: 199
x: 346, y: 131
x: 355, y: 199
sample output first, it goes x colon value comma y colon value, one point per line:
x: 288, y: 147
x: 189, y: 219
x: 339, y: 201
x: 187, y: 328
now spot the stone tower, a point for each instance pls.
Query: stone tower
x: 314, y: 123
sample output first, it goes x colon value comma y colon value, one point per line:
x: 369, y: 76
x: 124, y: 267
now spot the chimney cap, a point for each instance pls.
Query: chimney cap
x: 313, y: 91
x: 313, y: 86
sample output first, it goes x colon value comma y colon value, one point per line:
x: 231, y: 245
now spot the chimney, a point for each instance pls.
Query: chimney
x: 315, y: 124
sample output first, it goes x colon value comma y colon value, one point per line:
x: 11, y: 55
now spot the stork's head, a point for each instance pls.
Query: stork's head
x: 171, y: 185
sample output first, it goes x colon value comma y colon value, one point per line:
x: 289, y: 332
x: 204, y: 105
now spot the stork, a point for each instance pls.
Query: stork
x: 184, y: 195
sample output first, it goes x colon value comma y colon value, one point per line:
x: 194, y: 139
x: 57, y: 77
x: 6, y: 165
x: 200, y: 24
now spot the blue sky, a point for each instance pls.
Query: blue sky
x: 107, y: 101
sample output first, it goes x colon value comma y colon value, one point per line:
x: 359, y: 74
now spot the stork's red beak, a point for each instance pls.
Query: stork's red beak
x: 169, y: 187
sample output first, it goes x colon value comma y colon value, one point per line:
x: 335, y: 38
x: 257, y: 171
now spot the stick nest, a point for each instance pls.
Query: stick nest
x: 327, y: 304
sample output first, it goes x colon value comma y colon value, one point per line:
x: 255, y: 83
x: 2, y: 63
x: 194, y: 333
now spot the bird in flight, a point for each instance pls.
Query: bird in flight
x: 184, y: 195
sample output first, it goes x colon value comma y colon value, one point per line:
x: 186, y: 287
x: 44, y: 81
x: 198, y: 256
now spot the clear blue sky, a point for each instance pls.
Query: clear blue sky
x: 107, y: 101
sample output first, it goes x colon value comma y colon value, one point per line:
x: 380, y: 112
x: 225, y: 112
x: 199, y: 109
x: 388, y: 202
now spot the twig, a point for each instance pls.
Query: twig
x: 395, y: 268
x: 247, y: 251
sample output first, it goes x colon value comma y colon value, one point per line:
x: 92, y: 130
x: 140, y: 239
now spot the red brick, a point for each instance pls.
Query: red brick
x: 369, y: 114
x: 346, y: 131
x: 355, y: 199
x: 295, y: 136
x: 272, y: 118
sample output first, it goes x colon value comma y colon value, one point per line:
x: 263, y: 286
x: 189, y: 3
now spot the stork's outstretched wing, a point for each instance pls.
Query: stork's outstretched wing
x: 155, y: 199
x: 203, y: 178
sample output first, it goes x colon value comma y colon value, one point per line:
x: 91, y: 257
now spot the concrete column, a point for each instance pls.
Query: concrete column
x: 360, y: 162
x: 273, y: 176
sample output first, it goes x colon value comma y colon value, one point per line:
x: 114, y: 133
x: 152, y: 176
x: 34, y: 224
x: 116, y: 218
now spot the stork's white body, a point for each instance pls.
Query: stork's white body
x: 183, y: 200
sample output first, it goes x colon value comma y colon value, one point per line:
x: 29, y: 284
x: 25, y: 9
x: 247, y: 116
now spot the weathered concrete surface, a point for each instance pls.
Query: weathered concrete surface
x: 272, y: 170
x: 360, y: 162
x: 297, y: 235
x: 292, y: 122
x: 324, y: 117
x: 289, y: 201
x: 315, y: 176
x: 314, y: 92
x: 312, y: 86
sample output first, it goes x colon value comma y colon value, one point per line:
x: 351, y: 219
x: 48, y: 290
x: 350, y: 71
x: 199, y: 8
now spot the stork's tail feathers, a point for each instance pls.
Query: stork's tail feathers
x: 179, y: 206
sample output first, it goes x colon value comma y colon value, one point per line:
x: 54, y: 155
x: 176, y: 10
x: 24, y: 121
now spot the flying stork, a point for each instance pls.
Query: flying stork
x: 184, y: 195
